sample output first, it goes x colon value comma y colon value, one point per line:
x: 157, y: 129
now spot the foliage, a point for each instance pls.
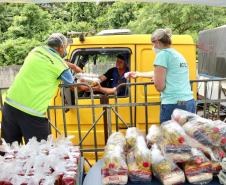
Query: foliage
x: 15, y: 51
x: 32, y: 22
x: 118, y: 15
x: 181, y: 19
x: 24, y: 26
x: 7, y: 12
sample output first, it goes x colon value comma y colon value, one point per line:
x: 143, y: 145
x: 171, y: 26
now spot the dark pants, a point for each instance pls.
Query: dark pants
x: 167, y: 109
x: 17, y: 124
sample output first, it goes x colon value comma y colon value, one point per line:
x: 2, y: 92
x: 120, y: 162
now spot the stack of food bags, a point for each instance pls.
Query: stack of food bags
x: 45, y: 162
x: 164, y: 169
x: 174, y: 142
x: 199, y: 169
x: 138, y: 157
x: 210, y: 134
x: 114, y: 169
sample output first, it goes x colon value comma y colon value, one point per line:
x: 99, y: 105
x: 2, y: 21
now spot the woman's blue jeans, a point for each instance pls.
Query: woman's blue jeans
x: 167, y: 109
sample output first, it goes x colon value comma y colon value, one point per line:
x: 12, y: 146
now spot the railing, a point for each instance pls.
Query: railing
x: 107, y: 109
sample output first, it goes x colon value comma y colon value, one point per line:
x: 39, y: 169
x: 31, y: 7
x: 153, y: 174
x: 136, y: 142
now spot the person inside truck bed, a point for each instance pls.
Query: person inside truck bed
x: 27, y: 100
x: 114, y: 77
x: 170, y: 76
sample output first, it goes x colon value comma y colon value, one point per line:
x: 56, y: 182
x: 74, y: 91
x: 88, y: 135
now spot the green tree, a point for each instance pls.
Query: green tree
x: 119, y: 15
x: 21, y: 23
x: 181, y: 19
x: 7, y: 12
x: 32, y: 22
x: 77, y: 16
x: 14, y: 51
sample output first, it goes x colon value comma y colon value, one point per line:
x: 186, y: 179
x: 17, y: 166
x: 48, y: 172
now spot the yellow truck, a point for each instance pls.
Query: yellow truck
x: 92, y: 118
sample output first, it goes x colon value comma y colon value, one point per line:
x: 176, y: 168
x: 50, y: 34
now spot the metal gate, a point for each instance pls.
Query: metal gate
x: 107, y: 110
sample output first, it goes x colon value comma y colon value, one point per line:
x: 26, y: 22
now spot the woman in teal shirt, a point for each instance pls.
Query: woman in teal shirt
x: 170, y: 75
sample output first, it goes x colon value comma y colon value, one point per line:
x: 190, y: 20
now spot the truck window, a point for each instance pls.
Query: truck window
x: 102, y: 62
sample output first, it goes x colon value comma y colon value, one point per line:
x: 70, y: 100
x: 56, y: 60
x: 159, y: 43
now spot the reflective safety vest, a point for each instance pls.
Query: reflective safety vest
x: 37, y: 81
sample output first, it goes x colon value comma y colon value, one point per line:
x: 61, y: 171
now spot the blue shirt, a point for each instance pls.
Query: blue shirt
x: 67, y: 77
x: 114, y: 79
x: 177, y: 84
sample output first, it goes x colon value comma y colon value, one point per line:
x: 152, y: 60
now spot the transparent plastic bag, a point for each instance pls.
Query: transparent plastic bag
x: 222, y: 177
x: 139, y: 162
x: 216, y: 167
x: 114, y: 169
x: 205, y: 149
x: 174, y: 142
x: 165, y: 170
x: 223, y: 164
x: 131, y: 137
x: 89, y: 78
x: 38, y: 162
x: 219, y: 127
x: 69, y: 178
x: 204, y: 131
x: 218, y: 153
x: 182, y: 116
x: 117, y: 138
x: 199, y: 169
x: 154, y: 135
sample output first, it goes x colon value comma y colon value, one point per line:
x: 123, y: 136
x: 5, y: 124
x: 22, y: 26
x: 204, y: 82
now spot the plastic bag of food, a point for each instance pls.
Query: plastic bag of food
x: 154, y: 135
x: 139, y: 162
x: 174, y: 142
x: 114, y: 169
x: 117, y: 138
x: 222, y: 177
x: 165, y: 170
x: 199, y: 169
x: 218, y: 153
x: 206, y: 150
x: 89, y: 78
x: 131, y: 137
x: 220, y: 128
x: 182, y: 116
x: 216, y: 167
x: 223, y: 164
x: 204, y: 131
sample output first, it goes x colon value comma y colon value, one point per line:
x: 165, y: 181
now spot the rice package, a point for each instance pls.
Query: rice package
x: 164, y: 169
x: 114, y: 169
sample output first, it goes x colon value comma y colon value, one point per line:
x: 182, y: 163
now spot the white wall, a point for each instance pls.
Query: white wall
x: 7, y: 75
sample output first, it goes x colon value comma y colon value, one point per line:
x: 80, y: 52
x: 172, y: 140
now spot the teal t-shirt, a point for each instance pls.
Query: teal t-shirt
x: 177, y: 84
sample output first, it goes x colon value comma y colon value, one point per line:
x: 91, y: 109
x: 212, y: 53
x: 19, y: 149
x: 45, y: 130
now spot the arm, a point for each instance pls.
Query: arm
x: 160, y: 77
x: 74, y: 67
x: 67, y: 77
x: 145, y: 74
x: 136, y: 74
x: 104, y: 90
